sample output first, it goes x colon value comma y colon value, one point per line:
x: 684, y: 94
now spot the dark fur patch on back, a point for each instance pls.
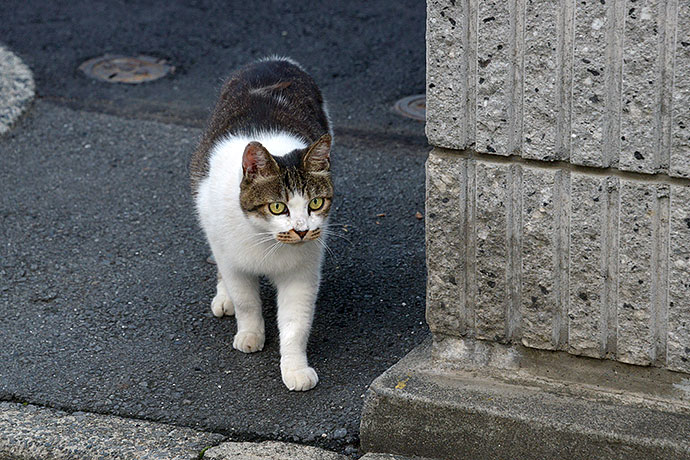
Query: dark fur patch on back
x: 266, y: 95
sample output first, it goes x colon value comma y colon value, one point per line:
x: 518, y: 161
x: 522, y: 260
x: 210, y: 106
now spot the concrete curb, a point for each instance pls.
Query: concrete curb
x: 29, y: 432
x: 17, y: 88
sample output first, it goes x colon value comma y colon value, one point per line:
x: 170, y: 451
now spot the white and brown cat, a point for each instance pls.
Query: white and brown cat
x: 262, y: 185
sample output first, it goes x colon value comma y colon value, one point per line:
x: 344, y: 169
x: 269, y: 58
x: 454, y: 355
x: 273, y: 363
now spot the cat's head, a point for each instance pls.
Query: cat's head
x: 288, y: 196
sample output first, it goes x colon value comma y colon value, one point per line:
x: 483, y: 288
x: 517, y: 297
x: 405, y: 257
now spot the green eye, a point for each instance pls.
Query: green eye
x: 316, y: 204
x: 277, y: 208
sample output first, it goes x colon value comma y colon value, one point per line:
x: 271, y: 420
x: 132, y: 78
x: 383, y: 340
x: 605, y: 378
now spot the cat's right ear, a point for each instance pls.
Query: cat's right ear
x: 256, y: 161
x: 318, y: 157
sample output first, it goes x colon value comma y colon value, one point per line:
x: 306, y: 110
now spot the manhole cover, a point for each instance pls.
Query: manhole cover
x: 412, y: 107
x: 126, y: 69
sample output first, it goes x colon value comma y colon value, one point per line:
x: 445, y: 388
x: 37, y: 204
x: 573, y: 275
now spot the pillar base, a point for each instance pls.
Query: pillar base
x: 486, y: 406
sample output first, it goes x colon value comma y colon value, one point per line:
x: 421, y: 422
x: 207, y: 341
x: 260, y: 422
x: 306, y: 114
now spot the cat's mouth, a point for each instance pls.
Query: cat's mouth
x: 292, y: 236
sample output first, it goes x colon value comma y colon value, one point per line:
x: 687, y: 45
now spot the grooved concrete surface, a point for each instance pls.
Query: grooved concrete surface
x: 578, y: 255
x: 603, y: 84
x: 559, y: 259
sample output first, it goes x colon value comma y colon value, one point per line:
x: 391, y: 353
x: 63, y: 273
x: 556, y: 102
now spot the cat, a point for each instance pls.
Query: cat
x: 262, y: 186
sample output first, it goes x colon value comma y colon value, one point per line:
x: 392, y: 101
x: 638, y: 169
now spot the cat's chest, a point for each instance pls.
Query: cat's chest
x: 271, y: 258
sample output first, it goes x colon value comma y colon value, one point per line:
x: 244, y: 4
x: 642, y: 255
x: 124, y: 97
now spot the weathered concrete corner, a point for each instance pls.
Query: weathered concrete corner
x: 17, y: 88
x: 423, y: 406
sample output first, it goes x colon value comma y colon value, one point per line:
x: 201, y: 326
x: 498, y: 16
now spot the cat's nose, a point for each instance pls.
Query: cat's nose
x: 302, y: 233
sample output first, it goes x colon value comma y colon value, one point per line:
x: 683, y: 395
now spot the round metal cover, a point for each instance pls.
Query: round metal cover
x: 126, y: 69
x: 412, y: 107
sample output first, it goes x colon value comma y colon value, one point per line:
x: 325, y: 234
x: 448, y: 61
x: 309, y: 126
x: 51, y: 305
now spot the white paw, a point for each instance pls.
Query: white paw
x: 248, y: 342
x: 300, y: 379
x: 222, y: 305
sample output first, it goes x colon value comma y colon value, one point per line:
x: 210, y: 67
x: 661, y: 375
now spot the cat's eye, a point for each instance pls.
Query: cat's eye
x: 316, y: 204
x: 277, y: 208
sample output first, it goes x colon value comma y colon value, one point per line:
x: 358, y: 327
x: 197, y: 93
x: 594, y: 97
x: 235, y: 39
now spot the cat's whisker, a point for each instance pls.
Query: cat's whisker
x: 327, y: 248
x: 260, y: 235
x: 263, y: 240
x: 277, y: 246
x: 267, y: 235
x: 270, y: 251
x: 338, y: 227
x: 330, y: 233
x: 258, y: 244
x: 266, y: 252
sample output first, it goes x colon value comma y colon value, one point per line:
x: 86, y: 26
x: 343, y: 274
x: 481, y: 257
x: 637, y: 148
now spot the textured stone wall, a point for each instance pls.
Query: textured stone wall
x: 595, y: 83
x: 561, y: 219
x: 557, y: 258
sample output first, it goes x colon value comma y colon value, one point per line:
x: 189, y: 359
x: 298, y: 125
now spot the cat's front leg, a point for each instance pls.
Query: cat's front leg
x: 221, y: 304
x: 296, y: 298
x: 244, y: 292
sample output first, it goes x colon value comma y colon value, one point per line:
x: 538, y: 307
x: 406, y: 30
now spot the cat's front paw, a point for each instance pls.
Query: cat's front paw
x: 248, y: 342
x: 221, y: 305
x: 300, y: 379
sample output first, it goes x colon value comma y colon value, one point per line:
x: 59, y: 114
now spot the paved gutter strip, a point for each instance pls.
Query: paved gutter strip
x: 16, y: 88
x: 30, y: 432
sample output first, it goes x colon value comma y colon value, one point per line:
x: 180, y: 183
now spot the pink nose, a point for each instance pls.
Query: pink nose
x: 302, y: 234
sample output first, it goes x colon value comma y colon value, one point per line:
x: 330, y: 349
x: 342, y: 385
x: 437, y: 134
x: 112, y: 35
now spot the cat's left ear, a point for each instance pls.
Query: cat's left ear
x: 318, y: 157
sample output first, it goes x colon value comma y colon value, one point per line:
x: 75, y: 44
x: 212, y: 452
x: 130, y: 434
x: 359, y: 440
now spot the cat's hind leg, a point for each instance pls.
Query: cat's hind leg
x: 221, y: 305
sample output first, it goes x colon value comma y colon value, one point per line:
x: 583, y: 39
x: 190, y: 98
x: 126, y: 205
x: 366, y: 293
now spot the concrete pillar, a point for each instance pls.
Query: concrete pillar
x: 557, y: 224
x: 571, y: 168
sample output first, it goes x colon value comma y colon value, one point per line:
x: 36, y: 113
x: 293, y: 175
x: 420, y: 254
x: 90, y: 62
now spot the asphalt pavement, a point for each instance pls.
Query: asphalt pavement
x: 363, y: 54
x: 104, y: 286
